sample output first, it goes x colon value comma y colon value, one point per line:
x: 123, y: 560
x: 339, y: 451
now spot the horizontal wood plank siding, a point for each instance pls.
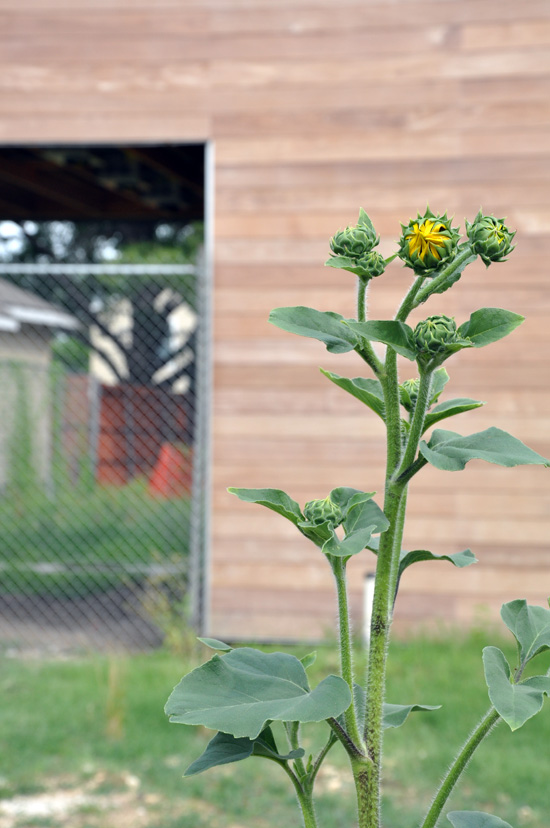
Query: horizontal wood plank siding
x: 316, y: 108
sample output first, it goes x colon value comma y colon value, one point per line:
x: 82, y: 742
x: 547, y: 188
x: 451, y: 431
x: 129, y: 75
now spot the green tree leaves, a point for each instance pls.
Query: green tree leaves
x: 242, y: 691
x: 450, y: 452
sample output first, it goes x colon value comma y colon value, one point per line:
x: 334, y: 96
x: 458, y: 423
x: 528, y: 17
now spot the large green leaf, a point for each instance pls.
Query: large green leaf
x: 242, y: 691
x: 515, y: 703
x: 224, y: 748
x: 274, y: 499
x: 397, y: 335
x: 395, y: 715
x: 489, y: 325
x: 325, y: 326
x: 475, y: 819
x: 530, y: 626
x: 368, y: 391
x: 450, y: 408
x: 450, y: 451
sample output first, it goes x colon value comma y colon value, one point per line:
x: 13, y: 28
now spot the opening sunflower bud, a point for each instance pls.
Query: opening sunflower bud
x: 490, y: 238
x: 428, y: 242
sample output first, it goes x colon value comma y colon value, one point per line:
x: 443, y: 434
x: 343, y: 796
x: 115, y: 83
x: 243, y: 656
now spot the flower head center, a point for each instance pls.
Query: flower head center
x: 430, y: 237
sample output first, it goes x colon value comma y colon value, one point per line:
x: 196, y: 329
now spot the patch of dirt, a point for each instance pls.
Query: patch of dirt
x: 104, y: 801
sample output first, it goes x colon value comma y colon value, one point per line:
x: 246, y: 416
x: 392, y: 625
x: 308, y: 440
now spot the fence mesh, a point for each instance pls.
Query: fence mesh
x: 100, y: 507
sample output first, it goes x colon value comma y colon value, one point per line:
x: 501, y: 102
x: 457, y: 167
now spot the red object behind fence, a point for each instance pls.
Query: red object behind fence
x: 172, y: 475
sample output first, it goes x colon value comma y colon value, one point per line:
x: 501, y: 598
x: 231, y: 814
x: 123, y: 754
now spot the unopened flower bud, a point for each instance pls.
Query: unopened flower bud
x: 371, y: 265
x: 490, y: 238
x: 408, y: 394
x: 354, y: 242
x: 428, y: 242
x: 317, y: 512
x: 435, y: 338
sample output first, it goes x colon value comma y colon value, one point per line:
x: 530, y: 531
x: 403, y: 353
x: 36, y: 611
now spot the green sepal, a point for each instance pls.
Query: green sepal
x: 475, y: 819
x: 450, y: 408
x: 367, y: 391
x: 450, y: 451
x: 397, y: 335
x: 395, y: 715
x: 242, y: 691
x: 325, y: 326
x: 274, y: 499
x: 488, y: 325
x: 530, y: 626
x: 225, y: 748
x: 215, y: 644
x: 515, y: 703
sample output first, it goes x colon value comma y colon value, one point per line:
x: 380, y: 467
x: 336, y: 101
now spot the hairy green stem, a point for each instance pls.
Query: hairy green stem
x: 346, y: 651
x: 407, y: 304
x: 293, y: 735
x: 305, y: 797
x: 362, y: 286
x: 457, y: 264
x: 417, y: 424
x: 458, y: 766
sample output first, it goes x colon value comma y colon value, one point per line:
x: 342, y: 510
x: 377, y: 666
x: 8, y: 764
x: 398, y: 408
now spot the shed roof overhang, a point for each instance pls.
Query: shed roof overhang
x: 164, y: 182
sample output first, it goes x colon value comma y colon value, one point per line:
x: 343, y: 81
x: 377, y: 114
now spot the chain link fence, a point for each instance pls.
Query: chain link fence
x: 102, y: 457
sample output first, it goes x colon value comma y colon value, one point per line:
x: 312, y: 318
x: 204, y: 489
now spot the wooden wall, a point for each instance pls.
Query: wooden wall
x: 317, y: 107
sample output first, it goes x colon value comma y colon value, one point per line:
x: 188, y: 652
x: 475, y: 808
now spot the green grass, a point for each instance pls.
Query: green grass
x: 69, y: 720
x: 88, y: 534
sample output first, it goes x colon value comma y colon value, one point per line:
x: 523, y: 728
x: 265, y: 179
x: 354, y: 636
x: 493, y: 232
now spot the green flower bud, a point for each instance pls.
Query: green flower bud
x: 317, y: 512
x: 371, y: 265
x: 435, y: 339
x: 408, y: 394
x: 428, y: 242
x: 490, y: 238
x: 354, y: 242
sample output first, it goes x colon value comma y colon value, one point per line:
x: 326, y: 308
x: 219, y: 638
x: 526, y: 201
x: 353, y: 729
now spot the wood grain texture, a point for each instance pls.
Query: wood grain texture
x: 313, y: 114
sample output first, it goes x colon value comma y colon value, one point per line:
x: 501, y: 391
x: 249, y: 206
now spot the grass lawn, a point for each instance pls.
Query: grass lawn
x: 95, y: 727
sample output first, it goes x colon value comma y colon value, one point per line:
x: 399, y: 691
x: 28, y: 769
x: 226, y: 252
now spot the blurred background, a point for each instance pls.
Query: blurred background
x: 169, y: 172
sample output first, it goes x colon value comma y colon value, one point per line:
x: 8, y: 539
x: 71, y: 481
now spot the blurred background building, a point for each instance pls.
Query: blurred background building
x: 272, y: 123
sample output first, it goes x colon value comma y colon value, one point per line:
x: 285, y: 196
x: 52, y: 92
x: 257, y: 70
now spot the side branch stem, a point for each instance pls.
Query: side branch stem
x: 454, y: 773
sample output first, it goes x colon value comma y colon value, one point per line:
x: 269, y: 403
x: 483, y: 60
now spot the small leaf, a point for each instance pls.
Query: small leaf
x: 475, y: 819
x: 395, y: 334
x: 458, y: 559
x: 351, y: 545
x: 394, y: 715
x: 224, y: 748
x: 450, y: 451
x: 450, y: 408
x: 325, y: 326
x: 241, y: 692
x: 308, y: 659
x: 274, y: 499
x: 488, y: 325
x: 345, y: 263
x: 365, y: 513
x: 439, y: 381
x: 515, y: 703
x: 368, y: 391
x: 530, y: 625
x: 215, y: 644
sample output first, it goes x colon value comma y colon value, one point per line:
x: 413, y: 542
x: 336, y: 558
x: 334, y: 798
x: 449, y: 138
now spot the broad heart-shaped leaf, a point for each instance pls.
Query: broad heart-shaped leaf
x: 242, y: 691
x: 515, y: 703
x: 450, y: 408
x: 274, y: 499
x: 450, y: 451
x: 368, y: 391
x: 395, y: 334
x: 475, y: 819
x: 530, y: 625
x: 395, y: 715
x: 325, y: 326
x: 224, y: 748
x: 489, y: 325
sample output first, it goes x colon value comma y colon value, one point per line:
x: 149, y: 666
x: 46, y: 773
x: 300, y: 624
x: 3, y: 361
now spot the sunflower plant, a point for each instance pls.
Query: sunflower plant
x: 259, y: 703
